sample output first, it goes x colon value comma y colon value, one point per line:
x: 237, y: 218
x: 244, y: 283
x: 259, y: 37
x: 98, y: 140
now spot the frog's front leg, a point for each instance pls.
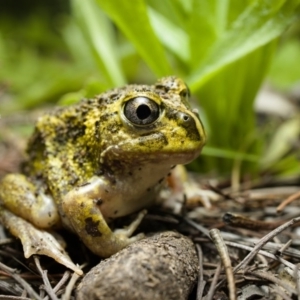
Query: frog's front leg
x: 82, y: 209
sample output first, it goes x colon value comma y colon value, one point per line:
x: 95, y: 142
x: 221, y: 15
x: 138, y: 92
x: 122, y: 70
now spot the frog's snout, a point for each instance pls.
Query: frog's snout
x: 192, y: 125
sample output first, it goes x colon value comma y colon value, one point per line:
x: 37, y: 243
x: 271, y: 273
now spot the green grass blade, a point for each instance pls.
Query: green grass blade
x: 173, y: 37
x: 99, y: 34
x: 229, y: 154
x: 228, y: 103
x: 282, y: 142
x: 132, y: 19
x: 205, y: 25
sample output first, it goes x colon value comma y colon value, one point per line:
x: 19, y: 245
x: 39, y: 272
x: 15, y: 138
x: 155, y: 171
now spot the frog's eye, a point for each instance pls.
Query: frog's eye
x: 185, y: 93
x: 141, y: 111
x: 185, y: 97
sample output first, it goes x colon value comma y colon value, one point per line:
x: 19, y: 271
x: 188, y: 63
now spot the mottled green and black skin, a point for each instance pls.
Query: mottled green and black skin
x: 106, y: 157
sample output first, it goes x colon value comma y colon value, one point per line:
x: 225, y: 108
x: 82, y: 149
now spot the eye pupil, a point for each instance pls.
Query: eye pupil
x: 143, y: 111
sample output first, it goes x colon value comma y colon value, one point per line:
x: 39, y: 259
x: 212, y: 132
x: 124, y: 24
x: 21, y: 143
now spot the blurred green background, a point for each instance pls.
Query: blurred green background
x: 57, y: 52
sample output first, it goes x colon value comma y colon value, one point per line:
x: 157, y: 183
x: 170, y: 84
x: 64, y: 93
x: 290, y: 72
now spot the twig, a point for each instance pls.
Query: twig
x: 287, y: 201
x: 279, y: 292
x: 47, y: 284
x: 218, y: 191
x: 262, y: 259
x: 24, y: 294
x: 60, y: 283
x: 244, y: 222
x: 262, y: 252
x: 197, y: 226
x: 211, y: 291
x: 70, y: 286
x: 223, y: 252
x: 268, y: 276
x: 3, y: 297
x: 260, y: 244
x: 297, y: 279
x: 201, y: 282
x: 263, y: 241
x: 21, y: 281
x: 6, y: 241
x: 284, y: 247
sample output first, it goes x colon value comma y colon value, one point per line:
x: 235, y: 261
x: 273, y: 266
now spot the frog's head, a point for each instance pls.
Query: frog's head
x: 154, y: 124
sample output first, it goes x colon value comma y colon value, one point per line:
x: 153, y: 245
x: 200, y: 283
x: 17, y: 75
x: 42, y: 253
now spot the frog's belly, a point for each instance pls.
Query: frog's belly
x: 122, y: 205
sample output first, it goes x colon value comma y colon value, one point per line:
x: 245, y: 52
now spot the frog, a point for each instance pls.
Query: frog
x: 97, y: 160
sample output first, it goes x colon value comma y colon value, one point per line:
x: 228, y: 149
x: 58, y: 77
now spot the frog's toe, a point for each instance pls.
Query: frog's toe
x: 128, y: 231
x: 36, y: 241
x: 136, y: 237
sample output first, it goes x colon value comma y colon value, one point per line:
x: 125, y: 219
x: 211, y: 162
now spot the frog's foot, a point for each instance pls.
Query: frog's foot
x: 36, y: 241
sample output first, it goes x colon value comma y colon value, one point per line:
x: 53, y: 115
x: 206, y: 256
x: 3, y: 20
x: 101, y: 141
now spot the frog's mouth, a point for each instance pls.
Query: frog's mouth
x: 153, y: 148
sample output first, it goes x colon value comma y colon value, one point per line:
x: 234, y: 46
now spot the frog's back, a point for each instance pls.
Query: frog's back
x: 60, y: 152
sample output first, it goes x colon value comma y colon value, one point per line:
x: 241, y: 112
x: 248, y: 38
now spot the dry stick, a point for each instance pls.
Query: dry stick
x: 260, y: 244
x: 21, y: 281
x: 223, y: 252
x: 271, y: 246
x: 262, y: 252
x: 279, y: 292
x: 24, y: 294
x: 285, y: 246
x: 288, y: 201
x: 245, y: 222
x: 211, y: 291
x: 70, y: 286
x: 201, y: 282
x: 47, y: 284
x: 297, y: 279
x: 263, y: 241
x: 262, y: 259
x: 60, y: 283
x: 197, y: 226
x: 6, y: 241
x: 2, y: 297
x: 268, y: 276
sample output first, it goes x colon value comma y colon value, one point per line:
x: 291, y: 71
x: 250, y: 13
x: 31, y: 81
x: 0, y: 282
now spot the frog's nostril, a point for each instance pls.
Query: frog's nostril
x: 188, y: 122
x: 185, y: 118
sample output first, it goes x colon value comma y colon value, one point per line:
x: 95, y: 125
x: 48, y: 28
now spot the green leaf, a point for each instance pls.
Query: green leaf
x: 260, y: 23
x: 132, y: 19
x: 99, y: 34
